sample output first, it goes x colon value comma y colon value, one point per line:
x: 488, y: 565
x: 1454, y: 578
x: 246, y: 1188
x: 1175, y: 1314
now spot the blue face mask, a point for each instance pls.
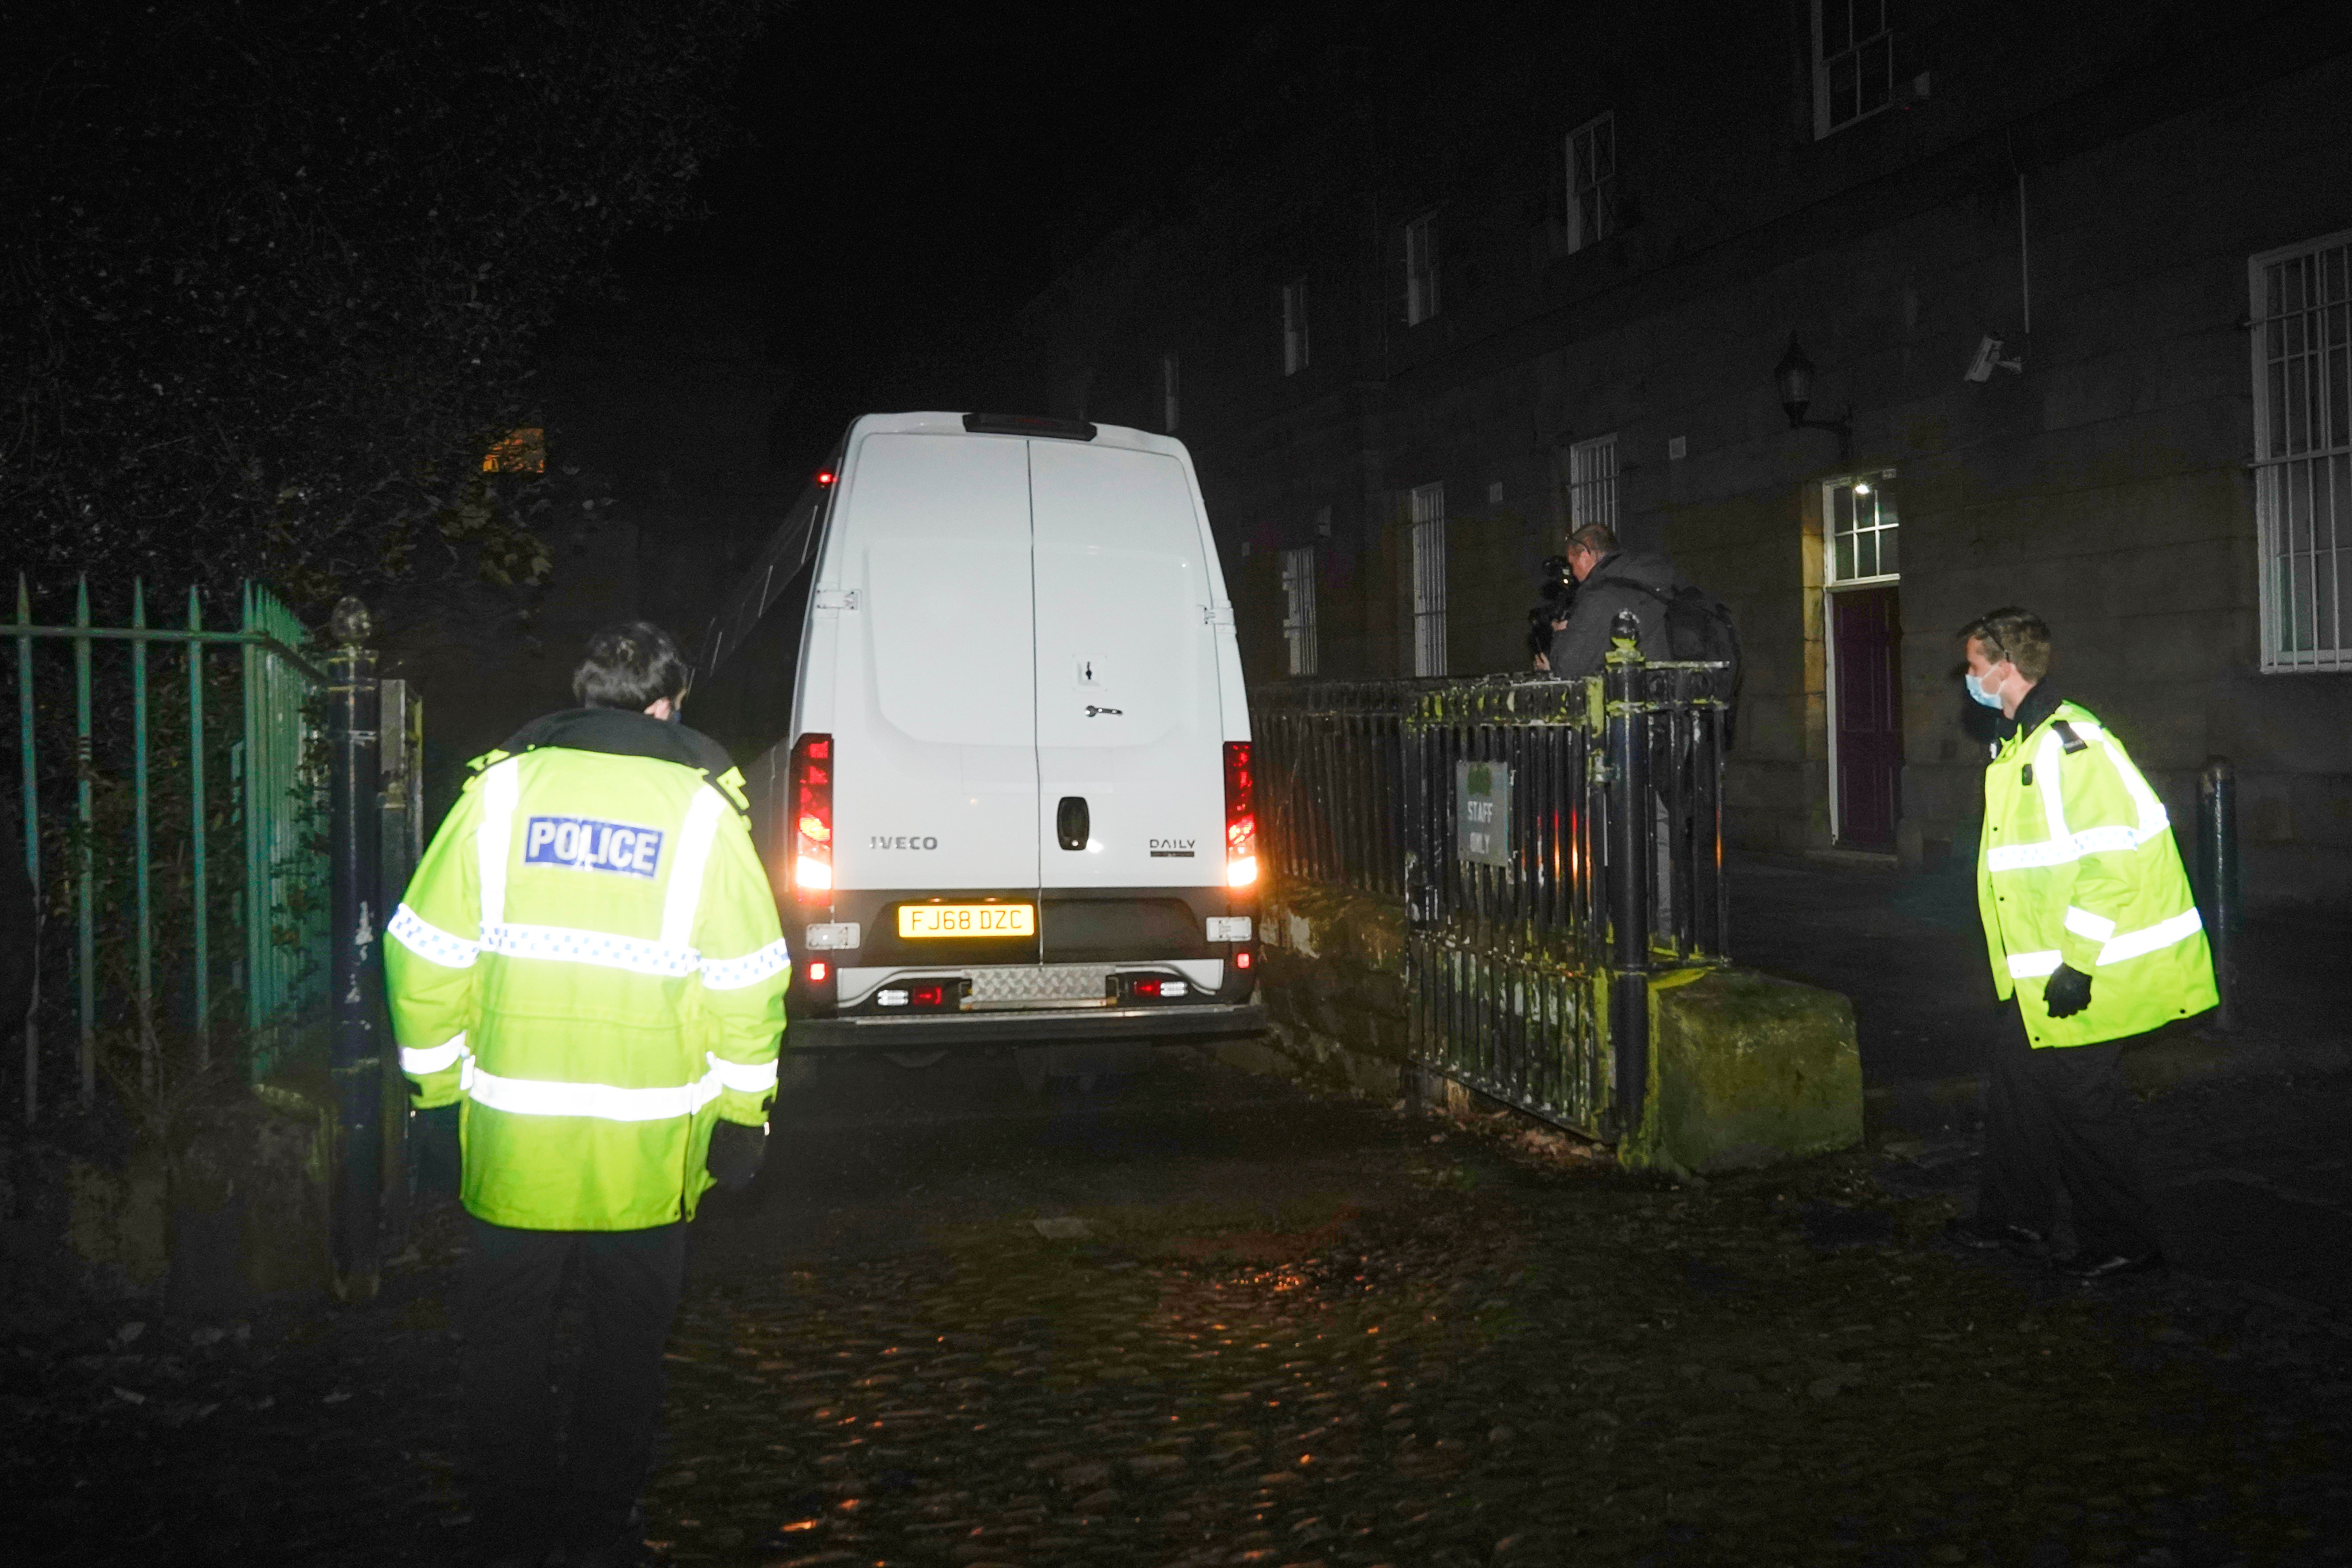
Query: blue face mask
x: 1990, y: 697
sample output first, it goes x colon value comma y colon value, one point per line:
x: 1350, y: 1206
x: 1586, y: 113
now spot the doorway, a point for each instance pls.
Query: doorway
x: 1865, y: 658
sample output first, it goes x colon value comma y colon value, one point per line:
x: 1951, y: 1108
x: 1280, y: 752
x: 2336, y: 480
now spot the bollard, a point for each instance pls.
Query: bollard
x: 355, y: 925
x: 2217, y: 876
x: 1631, y: 831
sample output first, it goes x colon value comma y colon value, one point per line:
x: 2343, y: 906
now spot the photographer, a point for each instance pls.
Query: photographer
x: 1611, y: 579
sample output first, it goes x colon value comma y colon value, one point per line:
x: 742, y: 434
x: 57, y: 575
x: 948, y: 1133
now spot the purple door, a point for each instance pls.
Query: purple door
x: 1866, y: 635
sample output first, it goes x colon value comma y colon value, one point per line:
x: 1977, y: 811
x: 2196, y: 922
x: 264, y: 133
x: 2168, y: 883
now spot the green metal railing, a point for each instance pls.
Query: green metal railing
x: 278, y: 901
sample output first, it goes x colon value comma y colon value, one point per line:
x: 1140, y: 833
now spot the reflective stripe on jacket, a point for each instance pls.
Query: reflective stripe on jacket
x: 2078, y: 866
x: 588, y: 958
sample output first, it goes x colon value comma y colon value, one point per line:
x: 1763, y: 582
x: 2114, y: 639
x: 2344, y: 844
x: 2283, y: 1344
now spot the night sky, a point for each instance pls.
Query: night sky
x: 907, y: 175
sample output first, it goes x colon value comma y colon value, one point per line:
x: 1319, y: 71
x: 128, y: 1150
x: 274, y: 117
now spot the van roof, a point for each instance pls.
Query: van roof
x: 940, y: 423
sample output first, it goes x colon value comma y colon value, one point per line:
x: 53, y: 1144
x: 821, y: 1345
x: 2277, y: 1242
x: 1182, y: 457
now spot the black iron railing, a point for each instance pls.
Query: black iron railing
x: 1555, y: 843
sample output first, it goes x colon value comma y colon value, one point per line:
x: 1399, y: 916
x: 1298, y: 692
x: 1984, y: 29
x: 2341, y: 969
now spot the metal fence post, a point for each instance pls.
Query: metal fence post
x: 356, y: 920
x: 400, y: 802
x: 32, y: 848
x: 2218, y: 875
x: 1630, y: 830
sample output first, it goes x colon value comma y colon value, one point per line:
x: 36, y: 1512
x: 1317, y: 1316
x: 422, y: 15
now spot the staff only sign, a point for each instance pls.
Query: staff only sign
x: 1482, y: 813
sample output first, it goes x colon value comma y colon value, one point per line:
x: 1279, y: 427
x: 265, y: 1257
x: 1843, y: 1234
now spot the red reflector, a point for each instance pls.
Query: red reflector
x: 927, y: 995
x: 1241, y: 959
x: 1147, y: 988
x: 817, y: 970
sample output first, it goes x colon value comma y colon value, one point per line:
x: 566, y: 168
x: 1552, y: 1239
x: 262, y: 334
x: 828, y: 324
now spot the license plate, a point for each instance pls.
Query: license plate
x: 967, y: 920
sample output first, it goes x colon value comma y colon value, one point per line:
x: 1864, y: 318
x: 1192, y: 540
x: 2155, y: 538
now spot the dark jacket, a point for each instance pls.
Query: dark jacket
x: 1577, y: 649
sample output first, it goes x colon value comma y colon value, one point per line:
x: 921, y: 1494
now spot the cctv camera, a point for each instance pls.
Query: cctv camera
x: 1988, y: 357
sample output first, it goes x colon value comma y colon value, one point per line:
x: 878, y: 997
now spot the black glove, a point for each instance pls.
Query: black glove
x: 736, y: 1152
x: 2066, y: 992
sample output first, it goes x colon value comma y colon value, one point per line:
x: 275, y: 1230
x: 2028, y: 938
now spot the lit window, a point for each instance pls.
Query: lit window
x: 1593, y: 182
x: 522, y: 451
x: 1862, y: 529
x: 1429, y: 579
x: 1853, y: 62
x: 1419, y: 269
x: 2303, y: 452
x: 1294, y: 326
x: 1298, y: 609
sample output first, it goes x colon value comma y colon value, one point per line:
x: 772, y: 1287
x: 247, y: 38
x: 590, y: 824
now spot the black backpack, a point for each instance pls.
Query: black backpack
x: 1698, y: 629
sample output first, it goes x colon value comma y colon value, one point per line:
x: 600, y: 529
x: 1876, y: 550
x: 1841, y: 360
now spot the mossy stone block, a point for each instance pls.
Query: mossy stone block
x: 1746, y: 1069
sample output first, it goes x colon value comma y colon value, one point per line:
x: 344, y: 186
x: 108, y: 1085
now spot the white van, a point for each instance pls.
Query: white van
x: 984, y: 687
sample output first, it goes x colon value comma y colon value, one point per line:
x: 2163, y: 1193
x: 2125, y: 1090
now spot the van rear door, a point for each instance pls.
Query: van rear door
x: 935, y: 787
x: 1127, y: 690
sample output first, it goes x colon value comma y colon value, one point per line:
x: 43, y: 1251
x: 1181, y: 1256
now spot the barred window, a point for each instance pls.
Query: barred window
x: 2302, y: 451
x: 1168, y: 389
x: 1298, y: 609
x: 1593, y: 482
x: 1429, y: 579
x: 1419, y: 269
x: 1294, y: 326
x: 1593, y: 182
x: 1853, y: 62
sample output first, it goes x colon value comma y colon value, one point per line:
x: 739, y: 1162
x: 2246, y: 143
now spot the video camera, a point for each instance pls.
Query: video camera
x: 1554, y: 583
x: 1555, y: 592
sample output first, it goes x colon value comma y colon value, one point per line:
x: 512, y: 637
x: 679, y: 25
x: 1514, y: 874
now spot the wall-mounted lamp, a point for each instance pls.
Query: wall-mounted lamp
x: 1794, y: 378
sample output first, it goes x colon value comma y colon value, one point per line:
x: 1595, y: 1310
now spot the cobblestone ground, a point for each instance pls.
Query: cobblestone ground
x: 1202, y: 1319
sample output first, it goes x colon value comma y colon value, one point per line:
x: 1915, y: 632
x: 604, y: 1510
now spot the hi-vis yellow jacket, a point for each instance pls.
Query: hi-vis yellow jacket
x: 589, y: 958
x: 2078, y: 866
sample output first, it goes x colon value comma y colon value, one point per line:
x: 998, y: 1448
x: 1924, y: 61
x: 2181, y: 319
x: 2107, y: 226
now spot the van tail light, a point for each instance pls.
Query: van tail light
x: 812, y: 836
x: 1240, y: 816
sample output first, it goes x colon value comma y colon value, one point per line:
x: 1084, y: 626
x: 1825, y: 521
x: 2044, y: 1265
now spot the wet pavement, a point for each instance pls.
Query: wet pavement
x: 1202, y: 1318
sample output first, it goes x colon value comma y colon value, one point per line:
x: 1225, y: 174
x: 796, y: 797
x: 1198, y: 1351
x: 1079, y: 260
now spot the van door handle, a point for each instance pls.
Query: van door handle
x: 1070, y: 824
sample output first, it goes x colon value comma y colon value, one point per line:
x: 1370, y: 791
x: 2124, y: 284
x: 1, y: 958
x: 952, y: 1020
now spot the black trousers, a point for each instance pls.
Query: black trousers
x: 525, y: 1491
x: 2061, y: 1118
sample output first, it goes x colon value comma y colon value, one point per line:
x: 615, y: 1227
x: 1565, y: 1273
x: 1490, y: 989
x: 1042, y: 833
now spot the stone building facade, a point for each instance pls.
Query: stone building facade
x: 2073, y: 282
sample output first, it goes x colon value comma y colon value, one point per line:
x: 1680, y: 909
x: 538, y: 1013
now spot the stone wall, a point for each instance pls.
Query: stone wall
x: 2103, y: 484
x: 1334, y: 987
x: 1745, y: 1069
x: 220, y: 1210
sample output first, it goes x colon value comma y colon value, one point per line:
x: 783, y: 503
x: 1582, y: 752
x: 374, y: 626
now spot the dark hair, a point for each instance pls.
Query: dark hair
x: 631, y: 665
x: 2015, y: 635
x: 1597, y: 537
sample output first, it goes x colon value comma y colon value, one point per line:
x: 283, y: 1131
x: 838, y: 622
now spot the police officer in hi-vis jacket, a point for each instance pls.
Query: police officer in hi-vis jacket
x: 588, y: 962
x: 2090, y: 923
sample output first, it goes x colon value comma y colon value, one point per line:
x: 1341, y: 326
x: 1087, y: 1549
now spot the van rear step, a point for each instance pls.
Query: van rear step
x: 1157, y: 1025
x: 1001, y: 987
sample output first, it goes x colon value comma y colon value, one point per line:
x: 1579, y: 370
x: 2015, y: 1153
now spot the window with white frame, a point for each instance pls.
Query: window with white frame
x: 1853, y: 62
x: 2303, y: 452
x: 1294, y: 326
x: 1421, y: 269
x: 1859, y: 516
x: 1298, y: 608
x: 1592, y: 483
x: 1168, y: 408
x: 1592, y: 181
x: 1429, y: 579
